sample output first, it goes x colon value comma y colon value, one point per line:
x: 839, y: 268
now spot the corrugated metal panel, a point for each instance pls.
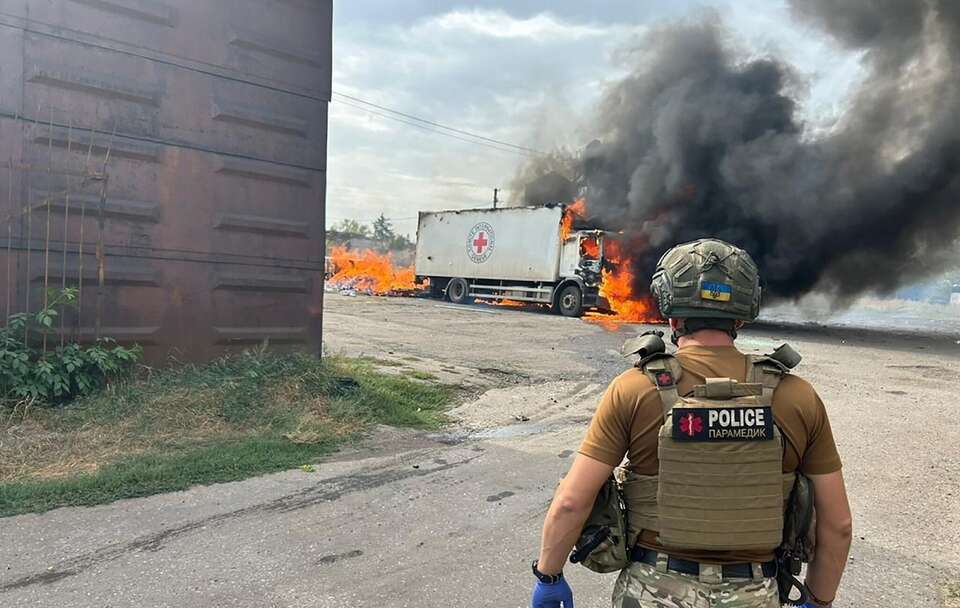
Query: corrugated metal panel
x: 214, y: 115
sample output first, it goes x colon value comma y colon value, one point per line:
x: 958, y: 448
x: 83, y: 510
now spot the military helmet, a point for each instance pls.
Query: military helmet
x: 707, y: 278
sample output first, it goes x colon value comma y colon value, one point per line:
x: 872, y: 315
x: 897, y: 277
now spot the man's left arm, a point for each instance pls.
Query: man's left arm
x: 570, y: 508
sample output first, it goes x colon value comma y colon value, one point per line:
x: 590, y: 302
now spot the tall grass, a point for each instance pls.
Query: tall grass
x: 170, y: 429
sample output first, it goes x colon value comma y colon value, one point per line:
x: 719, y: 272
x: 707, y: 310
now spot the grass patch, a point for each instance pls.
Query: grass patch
x: 951, y: 595
x: 380, y: 361
x: 168, y: 430
x: 420, y: 375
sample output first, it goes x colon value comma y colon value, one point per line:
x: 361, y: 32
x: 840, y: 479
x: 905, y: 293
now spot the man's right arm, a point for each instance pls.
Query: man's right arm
x: 834, y: 531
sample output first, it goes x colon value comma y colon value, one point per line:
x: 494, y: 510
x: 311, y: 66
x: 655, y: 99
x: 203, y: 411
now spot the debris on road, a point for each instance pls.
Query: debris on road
x: 370, y: 273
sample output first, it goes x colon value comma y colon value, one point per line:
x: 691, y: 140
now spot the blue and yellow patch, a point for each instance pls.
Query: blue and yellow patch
x: 719, y: 292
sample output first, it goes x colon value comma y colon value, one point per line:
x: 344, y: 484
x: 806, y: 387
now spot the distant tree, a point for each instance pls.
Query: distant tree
x: 401, y: 241
x: 383, y: 231
x: 351, y: 227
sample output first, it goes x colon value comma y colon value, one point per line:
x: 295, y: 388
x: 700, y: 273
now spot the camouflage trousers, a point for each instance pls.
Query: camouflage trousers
x: 642, y: 586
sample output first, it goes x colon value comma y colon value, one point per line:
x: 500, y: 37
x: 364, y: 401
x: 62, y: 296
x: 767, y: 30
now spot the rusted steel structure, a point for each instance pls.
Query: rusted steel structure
x: 169, y: 157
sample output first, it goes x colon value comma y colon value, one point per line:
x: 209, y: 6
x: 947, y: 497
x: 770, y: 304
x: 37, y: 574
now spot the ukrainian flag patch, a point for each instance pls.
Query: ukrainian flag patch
x: 719, y: 292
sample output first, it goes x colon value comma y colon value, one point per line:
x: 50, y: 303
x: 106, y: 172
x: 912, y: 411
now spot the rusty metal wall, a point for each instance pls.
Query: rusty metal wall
x: 209, y: 120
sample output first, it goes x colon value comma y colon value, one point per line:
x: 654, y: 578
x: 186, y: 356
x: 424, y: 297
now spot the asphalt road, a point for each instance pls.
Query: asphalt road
x: 453, y: 518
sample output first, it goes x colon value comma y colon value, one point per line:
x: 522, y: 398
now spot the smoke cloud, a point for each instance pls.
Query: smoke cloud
x: 699, y: 141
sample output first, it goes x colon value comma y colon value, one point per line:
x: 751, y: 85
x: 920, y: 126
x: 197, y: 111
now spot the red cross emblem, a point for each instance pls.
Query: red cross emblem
x: 480, y: 242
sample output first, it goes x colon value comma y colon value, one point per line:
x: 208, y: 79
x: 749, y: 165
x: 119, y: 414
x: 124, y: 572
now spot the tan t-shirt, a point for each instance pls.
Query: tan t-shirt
x: 630, y: 415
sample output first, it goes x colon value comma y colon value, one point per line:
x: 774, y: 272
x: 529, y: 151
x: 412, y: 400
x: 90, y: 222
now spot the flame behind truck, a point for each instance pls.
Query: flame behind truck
x: 511, y: 253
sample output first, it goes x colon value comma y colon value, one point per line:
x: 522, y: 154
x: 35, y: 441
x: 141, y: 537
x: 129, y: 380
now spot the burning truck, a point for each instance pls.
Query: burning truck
x: 522, y: 254
x: 546, y: 255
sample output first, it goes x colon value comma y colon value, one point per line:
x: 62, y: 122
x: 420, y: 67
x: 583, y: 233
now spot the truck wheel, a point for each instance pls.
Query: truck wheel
x: 458, y: 291
x: 570, y: 301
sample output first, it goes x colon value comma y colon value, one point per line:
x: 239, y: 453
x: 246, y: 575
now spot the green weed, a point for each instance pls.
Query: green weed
x: 169, y: 429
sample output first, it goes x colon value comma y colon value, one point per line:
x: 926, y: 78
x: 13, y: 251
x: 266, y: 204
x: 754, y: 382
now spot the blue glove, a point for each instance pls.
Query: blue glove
x: 552, y: 595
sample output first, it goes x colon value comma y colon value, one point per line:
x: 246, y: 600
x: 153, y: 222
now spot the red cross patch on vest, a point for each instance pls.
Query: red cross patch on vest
x: 664, y: 379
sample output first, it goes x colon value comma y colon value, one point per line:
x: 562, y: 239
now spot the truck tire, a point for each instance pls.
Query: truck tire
x: 458, y: 291
x: 570, y: 301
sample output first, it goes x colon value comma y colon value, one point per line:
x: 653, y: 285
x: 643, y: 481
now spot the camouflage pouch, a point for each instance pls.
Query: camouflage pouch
x: 799, y: 538
x: 602, y: 546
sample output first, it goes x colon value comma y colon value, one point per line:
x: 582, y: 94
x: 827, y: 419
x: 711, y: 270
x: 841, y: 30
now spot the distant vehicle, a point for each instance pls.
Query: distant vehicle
x: 512, y: 253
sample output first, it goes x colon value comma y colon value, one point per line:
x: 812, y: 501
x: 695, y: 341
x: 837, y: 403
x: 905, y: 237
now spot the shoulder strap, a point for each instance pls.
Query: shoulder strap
x: 664, y: 371
x: 766, y: 371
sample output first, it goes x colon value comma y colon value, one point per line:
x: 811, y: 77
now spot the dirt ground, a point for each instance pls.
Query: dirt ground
x: 453, y: 518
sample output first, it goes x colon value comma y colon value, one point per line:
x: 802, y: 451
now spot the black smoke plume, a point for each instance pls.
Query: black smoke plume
x: 698, y: 141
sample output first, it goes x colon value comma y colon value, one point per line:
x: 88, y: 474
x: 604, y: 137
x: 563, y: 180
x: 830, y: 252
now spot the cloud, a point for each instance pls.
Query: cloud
x: 498, y: 24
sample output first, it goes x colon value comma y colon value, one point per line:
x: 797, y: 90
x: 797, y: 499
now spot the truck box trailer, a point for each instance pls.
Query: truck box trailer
x: 510, y: 253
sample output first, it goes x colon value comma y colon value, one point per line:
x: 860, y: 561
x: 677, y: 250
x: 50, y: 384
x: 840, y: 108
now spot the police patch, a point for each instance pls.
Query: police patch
x: 723, y: 423
x: 720, y: 292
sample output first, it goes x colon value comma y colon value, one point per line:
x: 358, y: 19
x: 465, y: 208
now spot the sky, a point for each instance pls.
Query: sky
x: 521, y: 72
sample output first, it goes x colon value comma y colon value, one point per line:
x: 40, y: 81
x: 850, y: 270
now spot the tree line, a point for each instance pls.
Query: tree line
x: 381, y: 231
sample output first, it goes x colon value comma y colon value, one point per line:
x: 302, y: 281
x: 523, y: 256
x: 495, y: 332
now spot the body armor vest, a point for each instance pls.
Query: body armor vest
x: 720, y: 484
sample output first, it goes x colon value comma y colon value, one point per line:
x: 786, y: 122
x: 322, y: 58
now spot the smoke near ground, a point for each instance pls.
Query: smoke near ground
x: 699, y: 141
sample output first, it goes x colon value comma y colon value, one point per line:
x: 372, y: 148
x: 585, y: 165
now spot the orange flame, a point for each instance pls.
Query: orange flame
x: 617, y: 287
x: 369, y: 271
x: 509, y: 303
x: 590, y: 248
x: 570, y: 213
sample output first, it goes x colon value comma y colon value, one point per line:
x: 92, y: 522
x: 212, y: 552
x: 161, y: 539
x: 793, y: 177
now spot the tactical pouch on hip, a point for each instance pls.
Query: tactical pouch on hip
x: 799, y: 536
x: 602, y: 546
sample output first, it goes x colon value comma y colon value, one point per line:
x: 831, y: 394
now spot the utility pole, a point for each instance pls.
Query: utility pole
x: 496, y: 200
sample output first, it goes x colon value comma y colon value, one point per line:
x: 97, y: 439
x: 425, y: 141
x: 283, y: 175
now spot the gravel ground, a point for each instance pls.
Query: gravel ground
x: 452, y: 518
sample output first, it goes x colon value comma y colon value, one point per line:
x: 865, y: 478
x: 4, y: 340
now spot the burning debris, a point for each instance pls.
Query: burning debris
x: 700, y: 141
x: 370, y: 273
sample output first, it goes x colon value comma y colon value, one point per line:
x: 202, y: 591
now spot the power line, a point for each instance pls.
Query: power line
x: 98, y: 41
x: 437, y: 125
x: 94, y: 40
x: 430, y: 129
x: 90, y: 39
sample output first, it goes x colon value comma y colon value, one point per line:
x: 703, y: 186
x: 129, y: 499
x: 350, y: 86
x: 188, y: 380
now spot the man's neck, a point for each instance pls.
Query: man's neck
x: 706, y: 337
